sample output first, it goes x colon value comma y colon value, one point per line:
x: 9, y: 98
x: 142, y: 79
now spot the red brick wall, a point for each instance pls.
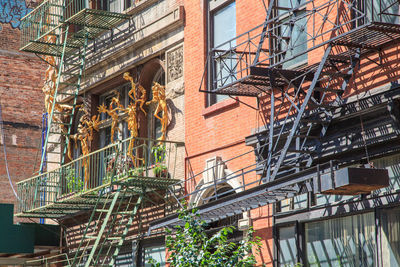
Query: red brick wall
x: 21, y: 99
x: 220, y: 130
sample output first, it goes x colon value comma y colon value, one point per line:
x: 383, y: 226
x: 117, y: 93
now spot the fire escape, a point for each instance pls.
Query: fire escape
x: 114, y: 204
x: 300, y: 93
x: 60, y: 32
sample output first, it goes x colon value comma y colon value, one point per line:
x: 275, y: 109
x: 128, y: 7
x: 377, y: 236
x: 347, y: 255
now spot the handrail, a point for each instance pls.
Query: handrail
x: 145, y: 158
x: 232, y: 60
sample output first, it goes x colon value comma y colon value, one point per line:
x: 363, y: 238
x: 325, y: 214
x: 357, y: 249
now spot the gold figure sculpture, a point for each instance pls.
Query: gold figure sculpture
x: 49, y: 88
x: 143, y: 94
x: 159, y: 97
x: 113, y: 113
x: 133, y: 128
x: 84, y: 135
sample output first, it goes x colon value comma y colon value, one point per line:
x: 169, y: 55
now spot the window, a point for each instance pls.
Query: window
x: 390, y: 233
x: 287, y: 246
x: 152, y: 248
x: 116, y: 5
x: 383, y: 11
x: 347, y: 241
x: 292, y: 33
x: 222, y: 29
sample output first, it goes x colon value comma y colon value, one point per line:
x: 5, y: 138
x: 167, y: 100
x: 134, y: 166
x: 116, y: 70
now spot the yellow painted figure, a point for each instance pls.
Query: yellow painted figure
x: 159, y: 97
x: 112, y: 112
x: 143, y: 95
x: 133, y: 127
x: 85, y: 135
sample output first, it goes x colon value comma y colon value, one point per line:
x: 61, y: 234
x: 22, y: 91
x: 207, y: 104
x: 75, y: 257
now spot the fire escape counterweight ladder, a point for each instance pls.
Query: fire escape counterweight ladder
x: 57, y: 128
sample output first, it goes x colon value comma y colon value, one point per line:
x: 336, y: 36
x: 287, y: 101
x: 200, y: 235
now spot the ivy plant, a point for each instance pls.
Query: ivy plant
x: 189, y: 245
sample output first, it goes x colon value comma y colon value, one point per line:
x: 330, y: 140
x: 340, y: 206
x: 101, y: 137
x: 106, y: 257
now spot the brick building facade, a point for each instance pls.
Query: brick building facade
x: 350, y: 64
x: 218, y: 130
x: 21, y: 80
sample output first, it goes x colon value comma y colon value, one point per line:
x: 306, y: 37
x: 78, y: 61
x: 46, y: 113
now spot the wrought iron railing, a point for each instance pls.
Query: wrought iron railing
x: 41, y: 21
x: 42, y: 24
x: 278, y: 46
x: 87, y: 174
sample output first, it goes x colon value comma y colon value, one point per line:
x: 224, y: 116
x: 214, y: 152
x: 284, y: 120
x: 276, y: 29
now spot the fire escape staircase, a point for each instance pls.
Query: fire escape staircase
x: 108, y: 226
x: 303, y: 98
x: 300, y: 99
x: 64, y: 30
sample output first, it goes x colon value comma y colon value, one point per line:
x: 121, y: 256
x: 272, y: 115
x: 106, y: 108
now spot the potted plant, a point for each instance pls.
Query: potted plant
x: 159, y: 168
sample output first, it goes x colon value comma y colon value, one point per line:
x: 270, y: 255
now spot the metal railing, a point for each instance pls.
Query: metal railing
x: 148, y: 158
x: 42, y: 21
x: 42, y: 24
x: 282, y: 44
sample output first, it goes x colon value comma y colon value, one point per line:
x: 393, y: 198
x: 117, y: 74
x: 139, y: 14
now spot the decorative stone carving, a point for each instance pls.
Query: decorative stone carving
x: 175, y: 64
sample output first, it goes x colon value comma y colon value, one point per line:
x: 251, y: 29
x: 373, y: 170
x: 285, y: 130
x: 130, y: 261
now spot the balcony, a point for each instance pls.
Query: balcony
x: 77, y: 185
x: 43, y: 29
x: 269, y: 55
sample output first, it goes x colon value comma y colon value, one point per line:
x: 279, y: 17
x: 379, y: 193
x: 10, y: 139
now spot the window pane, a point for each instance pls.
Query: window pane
x: 116, y: 6
x: 224, y: 29
x: 224, y: 26
x: 156, y: 252
x: 383, y: 11
x: 348, y: 241
x: 297, y: 42
x: 287, y: 246
x: 392, y: 164
x: 390, y: 232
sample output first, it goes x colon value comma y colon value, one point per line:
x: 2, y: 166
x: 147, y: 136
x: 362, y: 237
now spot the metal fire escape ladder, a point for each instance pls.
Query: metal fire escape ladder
x: 300, y: 111
x: 57, y: 128
x: 108, y: 227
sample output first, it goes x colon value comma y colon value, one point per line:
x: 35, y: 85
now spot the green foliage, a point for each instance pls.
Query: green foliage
x: 138, y: 171
x: 189, y: 246
x: 74, y: 184
x: 159, y: 153
x: 107, y: 177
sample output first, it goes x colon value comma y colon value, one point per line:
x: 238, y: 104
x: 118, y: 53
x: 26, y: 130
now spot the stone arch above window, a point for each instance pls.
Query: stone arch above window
x: 217, y: 181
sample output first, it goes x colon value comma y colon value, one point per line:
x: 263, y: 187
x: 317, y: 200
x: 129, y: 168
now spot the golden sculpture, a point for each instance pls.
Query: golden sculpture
x: 143, y: 94
x: 49, y: 88
x: 159, y: 97
x: 112, y: 112
x: 84, y: 135
x: 133, y: 128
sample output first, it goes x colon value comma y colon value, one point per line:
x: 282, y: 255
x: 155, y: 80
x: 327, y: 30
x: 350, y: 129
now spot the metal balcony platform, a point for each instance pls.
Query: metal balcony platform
x: 89, y: 23
x: 70, y: 204
x: 370, y: 38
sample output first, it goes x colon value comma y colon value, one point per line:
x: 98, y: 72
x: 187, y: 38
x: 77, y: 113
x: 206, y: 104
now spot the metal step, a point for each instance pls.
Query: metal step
x: 70, y: 84
x: 292, y: 150
x: 314, y: 121
x: 306, y: 136
x: 321, y: 105
x: 322, y: 89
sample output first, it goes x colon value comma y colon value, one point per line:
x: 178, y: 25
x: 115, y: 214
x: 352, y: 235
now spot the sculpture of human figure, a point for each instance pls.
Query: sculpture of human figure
x: 143, y: 94
x: 84, y: 135
x: 133, y: 128
x: 159, y: 97
x: 113, y: 113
